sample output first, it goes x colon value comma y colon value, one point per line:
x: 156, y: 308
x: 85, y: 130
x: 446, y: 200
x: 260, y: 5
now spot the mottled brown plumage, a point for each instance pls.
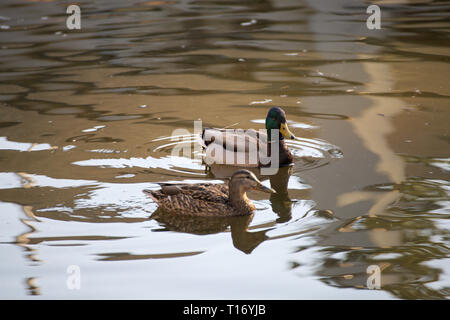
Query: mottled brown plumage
x: 209, y: 199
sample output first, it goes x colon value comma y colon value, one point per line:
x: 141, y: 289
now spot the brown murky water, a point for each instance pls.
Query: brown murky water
x: 87, y: 116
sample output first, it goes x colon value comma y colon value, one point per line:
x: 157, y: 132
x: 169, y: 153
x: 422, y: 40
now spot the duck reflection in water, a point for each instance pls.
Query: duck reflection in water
x: 243, y: 240
x: 281, y: 203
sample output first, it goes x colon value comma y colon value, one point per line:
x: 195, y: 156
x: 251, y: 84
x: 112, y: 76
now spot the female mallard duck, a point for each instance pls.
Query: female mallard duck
x: 250, y: 148
x: 209, y: 199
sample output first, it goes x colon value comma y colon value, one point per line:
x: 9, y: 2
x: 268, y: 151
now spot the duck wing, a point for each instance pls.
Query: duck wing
x: 204, y: 191
x: 234, y: 147
x: 234, y: 140
x: 192, y: 200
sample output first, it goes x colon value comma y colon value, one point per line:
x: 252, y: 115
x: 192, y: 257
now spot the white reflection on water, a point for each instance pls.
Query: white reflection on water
x: 442, y: 163
x: 126, y: 198
x: 11, y: 216
x: 93, y: 129
x: 11, y: 180
x: 5, y: 144
x: 168, y: 163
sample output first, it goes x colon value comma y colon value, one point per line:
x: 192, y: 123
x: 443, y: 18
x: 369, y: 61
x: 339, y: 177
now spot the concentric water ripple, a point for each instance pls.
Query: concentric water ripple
x: 308, y: 153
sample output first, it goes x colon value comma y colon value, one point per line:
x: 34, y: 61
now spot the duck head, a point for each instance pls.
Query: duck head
x: 244, y: 180
x: 276, y: 120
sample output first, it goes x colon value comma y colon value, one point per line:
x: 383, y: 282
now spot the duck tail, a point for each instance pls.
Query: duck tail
x: 205, y: 142
x: 152, y: 194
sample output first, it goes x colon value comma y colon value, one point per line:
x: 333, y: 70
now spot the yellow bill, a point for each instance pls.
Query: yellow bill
x: 284, y: 130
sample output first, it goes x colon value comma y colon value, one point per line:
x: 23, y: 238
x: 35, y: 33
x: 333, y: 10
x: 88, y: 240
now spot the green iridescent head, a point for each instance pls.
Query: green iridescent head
x: 276, y: 120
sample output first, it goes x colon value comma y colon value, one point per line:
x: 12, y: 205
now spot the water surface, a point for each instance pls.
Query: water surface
x: 88, y: 119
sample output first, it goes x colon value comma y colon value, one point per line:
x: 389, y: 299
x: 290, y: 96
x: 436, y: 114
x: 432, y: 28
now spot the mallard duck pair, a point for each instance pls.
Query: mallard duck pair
x: 219, y: 199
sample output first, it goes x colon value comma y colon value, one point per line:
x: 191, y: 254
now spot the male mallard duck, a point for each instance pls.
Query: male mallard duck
x: 209, y: 199
x: 250, y: 148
